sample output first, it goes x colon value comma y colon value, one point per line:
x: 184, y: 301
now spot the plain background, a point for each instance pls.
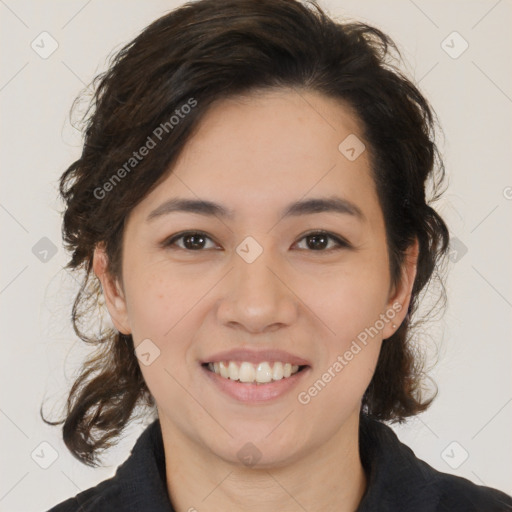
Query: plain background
x: 472, y: 97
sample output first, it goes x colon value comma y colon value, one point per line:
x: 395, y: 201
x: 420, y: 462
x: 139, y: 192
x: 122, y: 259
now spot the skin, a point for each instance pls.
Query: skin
x: 255, y: 155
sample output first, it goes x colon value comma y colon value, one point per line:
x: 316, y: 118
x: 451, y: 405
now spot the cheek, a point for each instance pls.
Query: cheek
x: 351, y: 349
x: 162, y: 304
x: 351, y: 299
x: 335, y: 391
x: 157, y: 300
x: 351, y: 306
x: 160, y: 308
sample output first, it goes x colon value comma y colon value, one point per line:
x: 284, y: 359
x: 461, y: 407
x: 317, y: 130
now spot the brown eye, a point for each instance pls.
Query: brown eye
x: 319, y: 240
x: 192, y: 240
x: 316, y: 241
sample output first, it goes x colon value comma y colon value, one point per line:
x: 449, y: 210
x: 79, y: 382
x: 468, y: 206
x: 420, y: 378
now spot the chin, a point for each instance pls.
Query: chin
x: 261, y: 451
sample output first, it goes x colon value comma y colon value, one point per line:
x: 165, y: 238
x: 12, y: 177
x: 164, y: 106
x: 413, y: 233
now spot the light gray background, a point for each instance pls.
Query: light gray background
x: 472, y: 96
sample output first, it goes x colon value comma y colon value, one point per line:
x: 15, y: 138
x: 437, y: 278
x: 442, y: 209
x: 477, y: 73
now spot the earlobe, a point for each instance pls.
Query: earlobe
x: 112, y: 291
x: 400, y: 296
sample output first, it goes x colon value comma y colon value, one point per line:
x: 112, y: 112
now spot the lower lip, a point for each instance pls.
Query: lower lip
x: 254, y: 393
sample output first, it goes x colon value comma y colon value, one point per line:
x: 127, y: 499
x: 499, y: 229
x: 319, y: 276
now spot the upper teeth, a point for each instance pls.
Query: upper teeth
x: 248, y: 372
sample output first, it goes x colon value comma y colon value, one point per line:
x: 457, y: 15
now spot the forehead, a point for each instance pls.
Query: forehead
x: 275, y: 126
x: 252, y: 151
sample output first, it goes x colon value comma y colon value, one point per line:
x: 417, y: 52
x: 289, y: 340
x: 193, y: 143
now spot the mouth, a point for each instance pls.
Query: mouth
x: 254, y: 383
x: 246, y: 372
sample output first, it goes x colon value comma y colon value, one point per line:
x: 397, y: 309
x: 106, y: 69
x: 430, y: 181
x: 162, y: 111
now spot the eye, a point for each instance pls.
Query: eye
x: 196, y: 240
x: 320, y: 239
x: 192, y: 240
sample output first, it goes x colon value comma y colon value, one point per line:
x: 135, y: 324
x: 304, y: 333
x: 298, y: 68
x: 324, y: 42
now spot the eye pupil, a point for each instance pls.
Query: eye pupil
x: 187, y: 238
x: 316, y: 245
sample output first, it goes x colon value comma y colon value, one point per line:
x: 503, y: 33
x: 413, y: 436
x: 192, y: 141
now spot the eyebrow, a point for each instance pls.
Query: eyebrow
x: 305, y: 207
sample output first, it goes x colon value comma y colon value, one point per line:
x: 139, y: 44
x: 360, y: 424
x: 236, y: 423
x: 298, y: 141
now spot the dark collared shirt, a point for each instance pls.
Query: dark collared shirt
x: 397, y: 480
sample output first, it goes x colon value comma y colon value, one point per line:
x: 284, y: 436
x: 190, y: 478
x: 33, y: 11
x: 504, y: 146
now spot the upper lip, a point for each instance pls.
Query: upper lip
x: 256, y: 356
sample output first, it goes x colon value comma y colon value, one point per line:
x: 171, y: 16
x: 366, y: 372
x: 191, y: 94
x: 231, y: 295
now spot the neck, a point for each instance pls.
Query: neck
x: 329, y: 478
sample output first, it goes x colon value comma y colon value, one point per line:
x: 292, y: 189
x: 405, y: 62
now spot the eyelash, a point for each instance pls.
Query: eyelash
x: 341, y: 243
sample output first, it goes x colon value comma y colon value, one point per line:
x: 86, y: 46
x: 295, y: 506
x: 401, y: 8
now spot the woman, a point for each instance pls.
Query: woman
x: 250, y: 201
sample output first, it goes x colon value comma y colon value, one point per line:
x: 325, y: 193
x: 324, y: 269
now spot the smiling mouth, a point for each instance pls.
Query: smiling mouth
x: 261, y: 373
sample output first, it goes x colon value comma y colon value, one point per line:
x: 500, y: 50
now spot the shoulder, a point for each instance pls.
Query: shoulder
x: 457, y: 493
x: 138, y: 483
x: 400, y: 481
x: 439, y: 491
x: 101, y: 498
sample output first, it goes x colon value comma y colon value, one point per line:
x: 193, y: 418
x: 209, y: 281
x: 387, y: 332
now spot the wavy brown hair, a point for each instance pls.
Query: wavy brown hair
x: 211, y: 50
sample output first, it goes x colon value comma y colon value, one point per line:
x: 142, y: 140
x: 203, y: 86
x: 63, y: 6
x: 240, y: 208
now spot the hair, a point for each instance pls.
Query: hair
x: 211, y: 50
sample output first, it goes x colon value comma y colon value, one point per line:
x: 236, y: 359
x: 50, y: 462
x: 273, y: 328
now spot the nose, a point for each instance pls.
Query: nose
x: 258, y: 296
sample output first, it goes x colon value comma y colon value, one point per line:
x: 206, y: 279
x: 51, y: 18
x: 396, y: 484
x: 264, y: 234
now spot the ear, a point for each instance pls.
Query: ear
x: 400, y: 294
x: 112, y: 291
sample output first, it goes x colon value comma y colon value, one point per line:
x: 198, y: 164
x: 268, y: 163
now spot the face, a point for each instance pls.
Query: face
x: 264, y: 280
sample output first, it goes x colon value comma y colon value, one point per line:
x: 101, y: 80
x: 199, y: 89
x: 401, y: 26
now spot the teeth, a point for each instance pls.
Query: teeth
x: 248, y: 372
x: 232, y: 370
x: 224, y: 372
x: 277, y: 372
x: 263, y: 373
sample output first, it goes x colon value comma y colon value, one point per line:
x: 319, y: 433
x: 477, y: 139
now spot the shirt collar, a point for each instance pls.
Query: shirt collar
x: 395, y: 476
x: 141, y: 479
